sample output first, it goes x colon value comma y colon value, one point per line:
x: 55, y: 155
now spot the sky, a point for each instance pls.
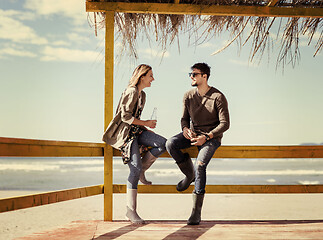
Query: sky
x: 52, y: 81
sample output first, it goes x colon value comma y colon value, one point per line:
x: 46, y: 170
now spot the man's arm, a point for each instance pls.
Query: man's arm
x: 223, y: 111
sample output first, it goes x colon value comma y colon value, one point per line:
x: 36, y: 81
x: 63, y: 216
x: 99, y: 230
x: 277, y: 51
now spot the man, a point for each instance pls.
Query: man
x: 205, y: 118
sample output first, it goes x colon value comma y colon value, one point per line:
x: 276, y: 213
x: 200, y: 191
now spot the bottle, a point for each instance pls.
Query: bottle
x: 154, y: 114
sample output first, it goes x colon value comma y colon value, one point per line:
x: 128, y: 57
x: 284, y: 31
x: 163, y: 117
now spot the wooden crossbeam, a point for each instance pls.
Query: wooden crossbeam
x: 34, y: 200
x: 229, y: 189
x: 191, y: 9
x: 17, y: 147
x: 257, y: 152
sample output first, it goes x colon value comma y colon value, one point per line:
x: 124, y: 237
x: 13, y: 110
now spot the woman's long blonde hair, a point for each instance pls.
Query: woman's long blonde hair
x: 140, y: 71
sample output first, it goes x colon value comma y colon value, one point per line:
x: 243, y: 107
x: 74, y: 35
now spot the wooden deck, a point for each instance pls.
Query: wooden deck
x: 245, y: 230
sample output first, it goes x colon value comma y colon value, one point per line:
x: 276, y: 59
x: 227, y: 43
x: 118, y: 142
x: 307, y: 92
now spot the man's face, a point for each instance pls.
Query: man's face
x: 196, y: 77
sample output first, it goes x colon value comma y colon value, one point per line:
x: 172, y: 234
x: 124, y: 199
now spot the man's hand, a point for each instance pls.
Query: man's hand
x: 188, y: 133
x: 198, y: 141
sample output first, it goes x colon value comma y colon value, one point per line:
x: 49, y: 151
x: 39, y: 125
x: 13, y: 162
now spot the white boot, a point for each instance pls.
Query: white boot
x: 147, y: 161
x: 132, y: 206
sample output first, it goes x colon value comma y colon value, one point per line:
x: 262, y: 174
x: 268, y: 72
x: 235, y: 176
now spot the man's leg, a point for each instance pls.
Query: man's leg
x: 206, y: 151
x: 183, y: 160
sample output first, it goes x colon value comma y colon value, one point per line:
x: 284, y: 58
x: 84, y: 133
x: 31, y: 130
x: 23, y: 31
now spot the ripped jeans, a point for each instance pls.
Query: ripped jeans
x: 148, y: 139
x: 206, y: 151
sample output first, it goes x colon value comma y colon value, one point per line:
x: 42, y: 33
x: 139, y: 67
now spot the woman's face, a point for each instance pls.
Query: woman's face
x: 146, y: 80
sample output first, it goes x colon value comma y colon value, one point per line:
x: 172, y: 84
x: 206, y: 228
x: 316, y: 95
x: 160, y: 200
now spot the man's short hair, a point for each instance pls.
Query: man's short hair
x: 204, y: 68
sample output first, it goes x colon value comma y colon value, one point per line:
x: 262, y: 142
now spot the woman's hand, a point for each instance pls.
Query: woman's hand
x: 151, y: 123
x: 188, y: 133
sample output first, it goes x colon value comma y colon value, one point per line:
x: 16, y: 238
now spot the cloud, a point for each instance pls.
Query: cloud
x: 15, y: 52
x: 69, y: 55
x: 74, y: 9
x: 243, y: 63
x: 15, y: 31
x: 152, y: 53
x: 206, y: 45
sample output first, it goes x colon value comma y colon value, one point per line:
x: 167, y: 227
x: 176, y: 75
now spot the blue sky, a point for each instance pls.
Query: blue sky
x: 52, y: 81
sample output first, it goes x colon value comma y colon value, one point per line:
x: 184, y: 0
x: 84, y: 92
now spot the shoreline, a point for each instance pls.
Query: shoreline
x: 218, y: 207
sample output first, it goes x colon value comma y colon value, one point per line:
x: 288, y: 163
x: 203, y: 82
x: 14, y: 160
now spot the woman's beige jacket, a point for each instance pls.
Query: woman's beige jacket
x: 118, y: 130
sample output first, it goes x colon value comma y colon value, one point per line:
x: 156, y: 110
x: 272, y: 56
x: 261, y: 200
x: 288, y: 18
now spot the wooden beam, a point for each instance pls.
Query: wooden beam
x: 108, y: 114
x: 17, y: 147
x: 236, y: 189
x: 257, y: 152
x: 15, y: 203
x: 191, y: 9
x: 272, y: 3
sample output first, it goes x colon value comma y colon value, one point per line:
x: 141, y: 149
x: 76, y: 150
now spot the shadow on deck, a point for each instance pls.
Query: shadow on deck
x: 273, y: 229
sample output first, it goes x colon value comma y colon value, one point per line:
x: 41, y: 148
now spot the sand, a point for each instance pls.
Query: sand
x: 161, y: 207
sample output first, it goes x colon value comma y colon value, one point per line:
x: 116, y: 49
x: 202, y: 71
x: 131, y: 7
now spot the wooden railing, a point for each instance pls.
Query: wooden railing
x: 10, y: 147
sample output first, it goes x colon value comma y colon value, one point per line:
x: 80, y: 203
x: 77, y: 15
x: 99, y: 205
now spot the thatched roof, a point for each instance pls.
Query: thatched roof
x: 166, y: 28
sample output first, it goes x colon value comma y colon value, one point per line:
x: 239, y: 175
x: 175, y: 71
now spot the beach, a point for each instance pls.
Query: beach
x: 24, y: 176
x: 161, y: 207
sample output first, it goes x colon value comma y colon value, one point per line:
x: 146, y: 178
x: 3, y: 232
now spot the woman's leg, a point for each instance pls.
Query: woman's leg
x: 134, y: 166
x: 157, y: 143
x: 135, y: 169
x: 151, y: 139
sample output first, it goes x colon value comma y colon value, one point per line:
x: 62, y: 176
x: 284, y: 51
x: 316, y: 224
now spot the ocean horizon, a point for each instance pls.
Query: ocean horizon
x: 56, y: 173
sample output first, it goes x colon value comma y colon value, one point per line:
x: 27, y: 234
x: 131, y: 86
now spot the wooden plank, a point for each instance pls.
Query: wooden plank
x: 229, y: 189
x: 108, y: 114
x: 192, y: 9
x: 17, y: 147
x: 178, y: 230
x: 257, y: 152
x: 15, y: 203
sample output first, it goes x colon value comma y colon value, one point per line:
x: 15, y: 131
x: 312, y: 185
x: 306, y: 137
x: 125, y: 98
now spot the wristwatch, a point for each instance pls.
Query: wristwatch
x: 207, y: 137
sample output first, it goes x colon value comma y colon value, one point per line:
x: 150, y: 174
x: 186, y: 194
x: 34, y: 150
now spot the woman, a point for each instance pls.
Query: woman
x: 129, y: 134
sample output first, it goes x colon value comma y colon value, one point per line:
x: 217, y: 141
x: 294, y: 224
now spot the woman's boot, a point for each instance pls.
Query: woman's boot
x: 195, y: 217
x: 188, y: 169
x: 147, y: 161
x: 132, y: 206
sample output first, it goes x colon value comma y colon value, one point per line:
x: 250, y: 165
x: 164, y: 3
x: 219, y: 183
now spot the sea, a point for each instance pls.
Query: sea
x: 48, y: 174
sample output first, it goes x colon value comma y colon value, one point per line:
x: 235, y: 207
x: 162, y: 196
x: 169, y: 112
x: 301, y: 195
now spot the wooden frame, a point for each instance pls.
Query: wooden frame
x: 192, y: 9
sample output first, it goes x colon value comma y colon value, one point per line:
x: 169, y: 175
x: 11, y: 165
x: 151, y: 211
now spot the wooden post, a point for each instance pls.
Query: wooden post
x: 108, y: 113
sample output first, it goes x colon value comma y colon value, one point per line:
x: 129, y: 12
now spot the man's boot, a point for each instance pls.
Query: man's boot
x: 188, y: 169
x: 132, y: 206
x: 147, y: 161
x: 195, y: 217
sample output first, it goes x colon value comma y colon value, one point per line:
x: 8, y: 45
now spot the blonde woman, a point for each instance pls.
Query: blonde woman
x: 129, y: 134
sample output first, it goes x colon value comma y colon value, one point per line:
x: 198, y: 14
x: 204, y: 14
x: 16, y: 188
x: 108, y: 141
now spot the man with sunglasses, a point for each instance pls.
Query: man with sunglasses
x: 205, y: 118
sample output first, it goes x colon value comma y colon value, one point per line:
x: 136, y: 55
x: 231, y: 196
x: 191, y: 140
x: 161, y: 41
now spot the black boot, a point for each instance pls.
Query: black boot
x: 195, y: 217
x: 188, y: 169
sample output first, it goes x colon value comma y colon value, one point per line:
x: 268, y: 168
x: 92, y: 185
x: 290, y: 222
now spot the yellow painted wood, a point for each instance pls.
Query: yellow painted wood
x: 238, y: 189
x: 17, y: 147
x: 272, y: 3
x: 15, y: 203
x: 257, y: 152
x: 192, y: 9
x: 108, y: 109
x: 108, y: 184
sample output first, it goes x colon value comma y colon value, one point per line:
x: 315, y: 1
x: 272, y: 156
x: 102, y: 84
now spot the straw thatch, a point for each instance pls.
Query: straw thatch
x: 260, y: 32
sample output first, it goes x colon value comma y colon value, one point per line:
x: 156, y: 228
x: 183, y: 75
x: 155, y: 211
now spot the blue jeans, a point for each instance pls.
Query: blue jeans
x: 206, y: 151
x: 148, y: 139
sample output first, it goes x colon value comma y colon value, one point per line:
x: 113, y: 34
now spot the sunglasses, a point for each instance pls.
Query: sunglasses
x: 192, y: 74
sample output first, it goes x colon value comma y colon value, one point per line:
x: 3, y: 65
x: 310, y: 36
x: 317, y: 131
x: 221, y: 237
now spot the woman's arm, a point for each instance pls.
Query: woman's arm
x: 145, y: 123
